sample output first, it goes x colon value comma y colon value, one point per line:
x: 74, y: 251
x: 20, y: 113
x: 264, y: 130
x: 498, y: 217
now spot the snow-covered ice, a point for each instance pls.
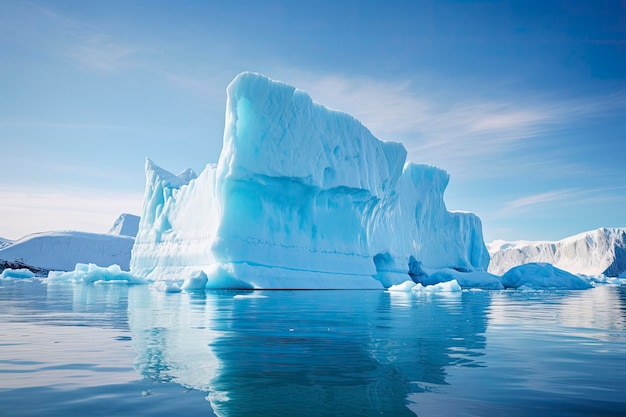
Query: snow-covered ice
x: 62, y: 250
x: 302, y: 197
x: 542, y: 275
x: 596, y: 252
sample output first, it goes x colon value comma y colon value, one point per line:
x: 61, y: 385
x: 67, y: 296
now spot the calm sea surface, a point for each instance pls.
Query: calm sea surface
x: 105, y: 350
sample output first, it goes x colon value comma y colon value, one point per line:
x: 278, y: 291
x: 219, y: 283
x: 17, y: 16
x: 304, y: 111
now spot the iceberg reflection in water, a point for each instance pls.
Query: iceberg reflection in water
x: 130, y: 350
x: 321, y: 352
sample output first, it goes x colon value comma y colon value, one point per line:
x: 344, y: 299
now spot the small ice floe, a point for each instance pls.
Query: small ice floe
x: 94, y: 274
x: 442, y: 287
x: 20, y: 273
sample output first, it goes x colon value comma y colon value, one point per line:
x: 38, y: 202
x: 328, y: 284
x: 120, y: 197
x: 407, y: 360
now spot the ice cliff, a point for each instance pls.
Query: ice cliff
x: 302, y: 197
x: 601, y: 251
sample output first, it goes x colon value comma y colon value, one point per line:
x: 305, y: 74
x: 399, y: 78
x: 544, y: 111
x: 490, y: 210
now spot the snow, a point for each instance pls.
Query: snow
x: 125, y: 225
x: 542, y: 275
x: 16, y: 273
x: 93, y: 274
x: 597, y: 252
x: 302, y: 197
x: 62, y: 250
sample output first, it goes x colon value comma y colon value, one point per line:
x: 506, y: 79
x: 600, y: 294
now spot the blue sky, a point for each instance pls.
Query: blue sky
x: 523, y: 102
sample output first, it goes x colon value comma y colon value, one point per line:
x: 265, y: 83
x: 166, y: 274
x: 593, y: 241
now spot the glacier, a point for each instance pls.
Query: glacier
x: 301, y: 197
x: 596, y: 252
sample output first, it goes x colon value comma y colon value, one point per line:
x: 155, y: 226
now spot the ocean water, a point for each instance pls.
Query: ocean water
x: 118, y: 350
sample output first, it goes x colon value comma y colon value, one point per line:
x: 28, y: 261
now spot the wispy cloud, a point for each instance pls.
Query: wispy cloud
x: 100, y: 52
x: 570, y: 197
x: 458, y: 129
x: 541, y: 198
x: 39, y: 28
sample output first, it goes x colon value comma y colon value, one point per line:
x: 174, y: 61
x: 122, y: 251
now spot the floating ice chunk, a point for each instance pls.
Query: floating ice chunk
x: 195, y: 282
x: 406, y: 286
x: 16, y: 273
x: 542, y: 275
x: 471, y: 279
x: 443, y: 287
x: 411, y: 287
x: 92, y: 273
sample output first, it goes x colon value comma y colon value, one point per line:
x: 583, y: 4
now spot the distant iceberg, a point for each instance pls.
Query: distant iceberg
x: 596, y: 252
x: 125, y: 225
x: 62, y: 250
x: 542, y: 275
x: 302, y: 197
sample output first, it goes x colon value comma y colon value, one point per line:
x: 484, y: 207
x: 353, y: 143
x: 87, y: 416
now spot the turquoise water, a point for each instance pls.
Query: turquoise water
x: 80, y: 350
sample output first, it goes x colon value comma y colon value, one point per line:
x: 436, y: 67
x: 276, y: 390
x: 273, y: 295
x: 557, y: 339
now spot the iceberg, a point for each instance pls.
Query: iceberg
x: 125, y: 225
x: 10, y: 273
x: 62, y: 250
x: 596, y: 252
x: 301, y: 197
x: 542, y: 275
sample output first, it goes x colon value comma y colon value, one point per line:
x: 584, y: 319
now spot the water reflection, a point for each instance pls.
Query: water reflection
x: 598, y: 313
x: 312, y: 352
x: 306, y: 352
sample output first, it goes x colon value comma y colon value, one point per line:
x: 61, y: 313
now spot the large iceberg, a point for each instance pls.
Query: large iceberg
x: 596, y: 252
x: 302, y: 197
